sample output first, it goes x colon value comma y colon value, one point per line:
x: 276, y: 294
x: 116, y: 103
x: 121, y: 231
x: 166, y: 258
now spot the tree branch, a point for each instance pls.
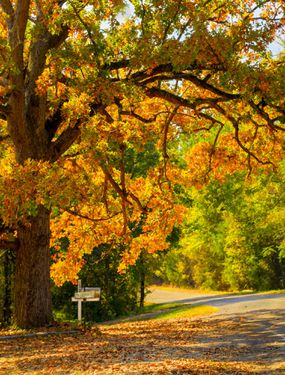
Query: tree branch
x: 169, y: 68
x: 197, y: 81
x: 171, y: 20
x: 64, y: 141
x: 164, y: 144
x: 116, y: 65
x: 264, y: 115
x: 76, y: 213
x: 177, y: 100
x: 17, y: 30
x: 53, y: 123
x: 213, y: 149
x: 245, y: 149
x: 123, y: 183
x: 9, y: 244
x: 123, y: 194
x: 77, y: 12
x: 38, y: 51
x: 140, y: 118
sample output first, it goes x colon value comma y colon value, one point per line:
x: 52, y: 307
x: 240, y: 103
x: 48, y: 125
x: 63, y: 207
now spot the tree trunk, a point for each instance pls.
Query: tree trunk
x: 142, y: 280
x: 8, y: 277
x: 32, y: 277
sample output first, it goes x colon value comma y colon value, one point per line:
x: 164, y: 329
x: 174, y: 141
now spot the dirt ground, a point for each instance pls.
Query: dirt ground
x: 249, y: 344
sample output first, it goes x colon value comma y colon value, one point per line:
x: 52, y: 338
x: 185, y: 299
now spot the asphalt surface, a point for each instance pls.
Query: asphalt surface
x: 227, y: 304
x: 258, y: 322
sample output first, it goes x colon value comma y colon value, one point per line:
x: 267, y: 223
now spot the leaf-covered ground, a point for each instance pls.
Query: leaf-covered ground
x: 175, y: 346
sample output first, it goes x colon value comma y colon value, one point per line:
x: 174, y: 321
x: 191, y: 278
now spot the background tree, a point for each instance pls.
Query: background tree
x: 233, y: 238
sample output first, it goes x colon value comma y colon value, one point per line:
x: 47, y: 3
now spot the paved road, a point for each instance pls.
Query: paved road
x: 258, y: 322
x: 226, y: 303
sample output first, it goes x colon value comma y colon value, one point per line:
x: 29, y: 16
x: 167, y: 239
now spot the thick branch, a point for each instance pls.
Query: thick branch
x: 9, y: 244
x: 169, y: 68
x: 39, y: 49
x: 17, y: 30
x: 116, y: 65
x: 177, y: 100
x: 64, y: 141
x: 154, y: 92
x: 53, y: 123
x: 140, y: 118
x: 197, y: 81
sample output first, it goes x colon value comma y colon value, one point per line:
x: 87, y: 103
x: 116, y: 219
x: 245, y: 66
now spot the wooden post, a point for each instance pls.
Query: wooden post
x: 88, y: 294
x: 79, y: 310
x: 79, y: 285
x: 79, y: 302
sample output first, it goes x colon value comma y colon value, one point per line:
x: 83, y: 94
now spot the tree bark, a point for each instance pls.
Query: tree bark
x: 142, y: 280
x: 32, y: 278
x: 8, y: 281
x: 32, y: 129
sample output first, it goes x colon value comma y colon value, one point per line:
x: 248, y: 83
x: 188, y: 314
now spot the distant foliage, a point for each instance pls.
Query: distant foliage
x: 233, y: 238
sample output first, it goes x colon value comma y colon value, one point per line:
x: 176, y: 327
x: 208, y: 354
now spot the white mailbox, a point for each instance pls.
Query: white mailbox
x: 86, y: 294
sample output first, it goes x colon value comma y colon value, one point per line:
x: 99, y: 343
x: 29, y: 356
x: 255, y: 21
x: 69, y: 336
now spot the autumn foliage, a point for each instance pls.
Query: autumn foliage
x: 87, y: 89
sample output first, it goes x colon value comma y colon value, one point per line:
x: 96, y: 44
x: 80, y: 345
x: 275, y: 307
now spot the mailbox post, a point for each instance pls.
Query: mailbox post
x: 86, y: 294
x: 79, y: 302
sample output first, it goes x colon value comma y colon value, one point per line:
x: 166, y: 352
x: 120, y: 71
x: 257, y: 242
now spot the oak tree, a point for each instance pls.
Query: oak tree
x: 81, y: 84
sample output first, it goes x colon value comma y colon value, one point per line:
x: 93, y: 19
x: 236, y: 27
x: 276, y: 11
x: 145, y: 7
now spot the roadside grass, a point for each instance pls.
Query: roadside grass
x: 211, y: 292
x: 170, y: 311
x: 157, y: 307
x: 185, y: 289
x: 279, y: 291
x: 156, y: 311
x: 185, y: 312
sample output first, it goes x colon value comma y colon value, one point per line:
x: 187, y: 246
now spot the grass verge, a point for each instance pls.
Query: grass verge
x: 187, y: 311
x: 157, y: 307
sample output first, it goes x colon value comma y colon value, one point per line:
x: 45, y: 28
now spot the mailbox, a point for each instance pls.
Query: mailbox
x: 89, y: 294
x: 86, y: 294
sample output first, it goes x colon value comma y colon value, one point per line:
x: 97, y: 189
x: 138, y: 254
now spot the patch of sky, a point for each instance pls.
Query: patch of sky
x: 277, y: 47
x: 127, y: 12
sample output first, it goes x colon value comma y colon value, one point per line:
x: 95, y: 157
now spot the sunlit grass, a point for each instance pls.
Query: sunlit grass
x: 189, y: 311
x: 185, y: 289
x: 155, y: 307
x: 279, y: 291
x: 211, y: 292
